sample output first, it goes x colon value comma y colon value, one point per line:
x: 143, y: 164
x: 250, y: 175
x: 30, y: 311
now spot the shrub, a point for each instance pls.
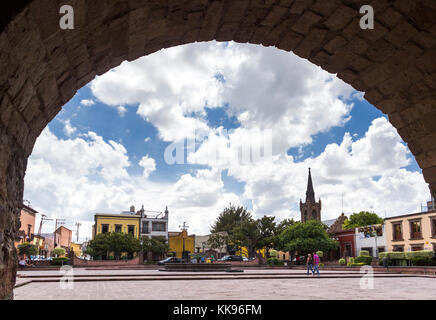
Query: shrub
x: 273, y: 253
x: 363, y: 259
x: 274, y: 261
x: 421, y: 261
x: 60, y: 261
x: 381, y: 255
x: 351, y: 260
x: 321, y: 264
x: 364, y: 253
x: 59, y: 252
x: 419, y: 254
x: 27, y: 249
x: 357, y: 264
x: 396, y: 255
x: 342, y: 262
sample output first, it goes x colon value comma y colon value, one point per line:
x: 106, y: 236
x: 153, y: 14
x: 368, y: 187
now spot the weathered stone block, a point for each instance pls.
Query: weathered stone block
x: 306, y: 21
x: 325, y: 8
x: 211, y: 21
x: 335, y: 44
x: 312, y: 41
x: 340, y: 18
x: 402, y: 32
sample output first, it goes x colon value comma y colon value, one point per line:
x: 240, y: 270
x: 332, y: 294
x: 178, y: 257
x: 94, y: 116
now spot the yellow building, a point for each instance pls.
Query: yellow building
x: 176, y: 240
x: 77, y: 249
x: 124, y: 223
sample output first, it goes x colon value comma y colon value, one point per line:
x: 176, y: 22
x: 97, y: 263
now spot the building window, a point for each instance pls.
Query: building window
x: 104, y: 228
x: 417, y: 247
x: 348, y: 250
x: 158, y: 226
x: 397, y: 230
x: 415, y: 229
x: 118, y: 228
x: 145, y: 227
x: 398, y: 248
x: 381, y: 249
x: 29, y: 228
x: 131, y: 229
x: 433, y: 227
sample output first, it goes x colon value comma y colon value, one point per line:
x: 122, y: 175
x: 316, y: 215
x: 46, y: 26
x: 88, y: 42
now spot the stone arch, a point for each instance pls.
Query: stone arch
x: 42, y: 66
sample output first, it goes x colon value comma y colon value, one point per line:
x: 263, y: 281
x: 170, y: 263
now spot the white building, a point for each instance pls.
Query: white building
x: 371, y: 238
x: 153, y: 223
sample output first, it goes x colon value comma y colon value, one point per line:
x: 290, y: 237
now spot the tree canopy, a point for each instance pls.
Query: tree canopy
x: 158, y: 245
x: 229, y: 218
x: 27, y: 248
x: 306, y: 237
x: 59, y: 252
x: 113, y: 242
x: 362, y: 219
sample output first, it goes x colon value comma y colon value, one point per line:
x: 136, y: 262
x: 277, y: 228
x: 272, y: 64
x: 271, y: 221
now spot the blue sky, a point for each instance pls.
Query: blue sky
x: 145, y: 106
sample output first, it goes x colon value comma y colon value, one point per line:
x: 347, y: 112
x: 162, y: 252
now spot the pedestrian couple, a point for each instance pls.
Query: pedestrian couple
x: 312, y: 263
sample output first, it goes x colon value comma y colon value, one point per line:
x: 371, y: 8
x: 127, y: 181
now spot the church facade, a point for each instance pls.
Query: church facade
x: 310, y: 209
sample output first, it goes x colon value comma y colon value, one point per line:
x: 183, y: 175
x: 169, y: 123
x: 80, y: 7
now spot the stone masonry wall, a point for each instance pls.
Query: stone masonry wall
x: 43, y: 66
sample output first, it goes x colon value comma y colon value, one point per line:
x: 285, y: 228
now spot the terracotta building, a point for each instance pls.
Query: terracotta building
x: 63, y: 238
x: 27, y: 228
x: 346, y: 238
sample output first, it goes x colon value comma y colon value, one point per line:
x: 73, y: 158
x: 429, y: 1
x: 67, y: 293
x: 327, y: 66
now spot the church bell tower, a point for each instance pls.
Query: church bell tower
x: 310, y: 209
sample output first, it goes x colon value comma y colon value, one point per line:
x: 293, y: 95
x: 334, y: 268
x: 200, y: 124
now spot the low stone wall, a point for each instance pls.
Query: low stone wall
x: 77, y: 262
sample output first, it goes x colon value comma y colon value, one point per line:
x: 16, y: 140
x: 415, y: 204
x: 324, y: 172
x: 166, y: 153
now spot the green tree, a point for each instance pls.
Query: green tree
x: 281, y: 226
x: 27, y: 248
x: 268, y: 230
x: 218, y: 240
x: 158, y: 245
x: 58, y: 252
x: 247, y: 234
x: 362, y: 219
x: 113, y: 242
x: 228, y: 221
x: 229, y: 218
x: 307, y: 237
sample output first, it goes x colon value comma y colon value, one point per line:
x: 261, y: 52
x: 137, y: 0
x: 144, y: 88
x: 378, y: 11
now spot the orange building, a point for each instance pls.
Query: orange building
x: 27, y: 228
x: 63, y: 238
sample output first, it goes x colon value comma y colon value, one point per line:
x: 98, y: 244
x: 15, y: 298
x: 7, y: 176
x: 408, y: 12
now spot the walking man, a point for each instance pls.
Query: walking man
x: 316, y: 263
x: 309, y: 263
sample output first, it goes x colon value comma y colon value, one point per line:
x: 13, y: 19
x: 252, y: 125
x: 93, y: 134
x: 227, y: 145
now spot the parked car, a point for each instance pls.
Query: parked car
x: 245, y: 259
x: 232, y: 258
x: 170, y: 260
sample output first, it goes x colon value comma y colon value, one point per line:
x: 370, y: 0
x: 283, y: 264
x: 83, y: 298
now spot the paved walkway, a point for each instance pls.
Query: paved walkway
x: 269, y: 284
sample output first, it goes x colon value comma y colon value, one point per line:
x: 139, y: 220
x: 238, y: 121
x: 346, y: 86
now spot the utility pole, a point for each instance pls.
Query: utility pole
x: 184, y: 228
x: 78, y: 224
x: 43, y: 219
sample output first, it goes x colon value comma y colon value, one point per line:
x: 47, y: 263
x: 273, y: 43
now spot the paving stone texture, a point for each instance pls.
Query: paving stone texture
x: 42, y: 66
x: 270, y: 287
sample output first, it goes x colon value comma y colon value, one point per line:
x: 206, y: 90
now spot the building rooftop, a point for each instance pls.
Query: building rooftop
x: 118, y: 215
x: 410, y: 214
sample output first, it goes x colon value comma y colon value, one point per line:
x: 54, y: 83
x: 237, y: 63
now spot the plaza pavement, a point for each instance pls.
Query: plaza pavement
x: 251, y: 284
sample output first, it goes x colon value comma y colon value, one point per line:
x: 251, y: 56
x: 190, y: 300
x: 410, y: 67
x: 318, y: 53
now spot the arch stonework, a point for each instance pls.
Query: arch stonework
x: 43, y: 66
